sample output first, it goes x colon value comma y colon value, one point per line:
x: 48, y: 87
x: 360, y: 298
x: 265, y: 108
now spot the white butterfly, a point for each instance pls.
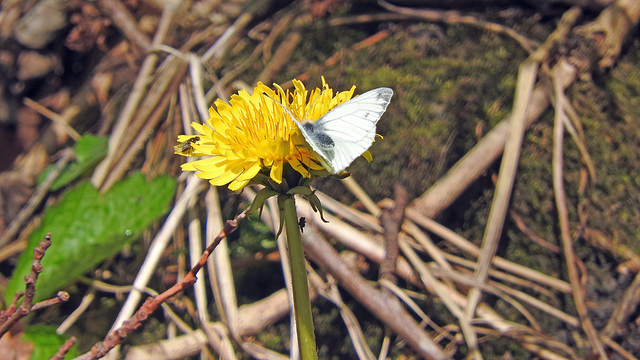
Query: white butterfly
x: 347, y: 131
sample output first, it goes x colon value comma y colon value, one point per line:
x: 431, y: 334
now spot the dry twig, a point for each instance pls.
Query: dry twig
x: 386, y: 307
x: 478, y: 159
x: 9, y: 317
x: 391, y: 220
x: 455, y: 17
x: 506, y: 178
x: 116, y: 142
x: 64, y: 349
x: 565, y: 231
x: 36, y: 199
x: 123, y: 19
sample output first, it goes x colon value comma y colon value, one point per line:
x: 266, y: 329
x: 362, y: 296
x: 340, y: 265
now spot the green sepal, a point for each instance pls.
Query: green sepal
x: 316, y: 205
x: 302, y: 190
x: 259, y: 179
x: 281, y: 200
x: 260, y: 199
x: 314, y: 201
x: 263, y: 178
x: 318, y: 173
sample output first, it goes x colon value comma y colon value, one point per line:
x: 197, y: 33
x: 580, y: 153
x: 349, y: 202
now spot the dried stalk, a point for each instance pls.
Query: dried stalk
x: 439, y: 289
x: 329, y: 291
x: 195, y: 249
x: 150, y: 114
x: 506, y: 178
x: 219, y: 267
x: 139, y: 91
x: 478, y: 159
x: 36, y: 199
x: 625, y: 307
x: 474, y: 250
x: 565, y: 231
x: 455, y: 17
x: 387, y: 308
x: 127, y: 24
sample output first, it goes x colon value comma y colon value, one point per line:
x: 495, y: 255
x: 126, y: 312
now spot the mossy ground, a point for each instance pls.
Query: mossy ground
x: 452, y: 83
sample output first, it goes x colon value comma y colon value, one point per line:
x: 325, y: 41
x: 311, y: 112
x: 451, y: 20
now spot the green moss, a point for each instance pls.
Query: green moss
x: 276, y: 339
x: 446, y: 84
x: 610, y: 113
x: 608, y: 110
x: 451, y: 81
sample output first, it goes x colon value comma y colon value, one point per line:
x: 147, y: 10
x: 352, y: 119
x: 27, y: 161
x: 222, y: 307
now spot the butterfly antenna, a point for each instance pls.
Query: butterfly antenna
x: 282, y: 106
x: 301, y: 154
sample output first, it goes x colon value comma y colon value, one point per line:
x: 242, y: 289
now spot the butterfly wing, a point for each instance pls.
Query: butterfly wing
x: 351, y: 126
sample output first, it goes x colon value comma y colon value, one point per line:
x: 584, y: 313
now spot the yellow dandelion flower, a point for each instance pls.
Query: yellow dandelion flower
x: 254, y: 133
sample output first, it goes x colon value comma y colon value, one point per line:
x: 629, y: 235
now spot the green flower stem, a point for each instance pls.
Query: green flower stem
x: 301, y: 301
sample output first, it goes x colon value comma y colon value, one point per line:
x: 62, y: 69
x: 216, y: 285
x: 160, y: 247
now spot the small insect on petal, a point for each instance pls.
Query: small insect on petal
x: 186, y: 147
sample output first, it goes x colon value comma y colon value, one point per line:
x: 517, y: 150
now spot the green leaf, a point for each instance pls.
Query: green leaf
x: 89, y: 151
x: 88, y: 228
x: 46, y: 342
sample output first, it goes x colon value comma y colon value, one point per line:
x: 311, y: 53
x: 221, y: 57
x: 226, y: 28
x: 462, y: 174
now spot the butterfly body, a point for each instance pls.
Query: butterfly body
x: 347, y: 131
x: 317, y: 137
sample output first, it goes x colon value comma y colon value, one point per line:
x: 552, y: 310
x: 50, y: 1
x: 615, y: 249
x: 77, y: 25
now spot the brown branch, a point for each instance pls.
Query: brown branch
x: 391, y: 220
x: 4, y: 315
x: 387, y: 308
x: 30, y: 291
x: 123, y: 19
x: 477, y: 160
x: 456, y: 17
x: 625, y: 307
x: 36, y: 269
x: 64, y: 349
x: 153, y: 303
x: 61, y: 296
x: 565, y: 227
